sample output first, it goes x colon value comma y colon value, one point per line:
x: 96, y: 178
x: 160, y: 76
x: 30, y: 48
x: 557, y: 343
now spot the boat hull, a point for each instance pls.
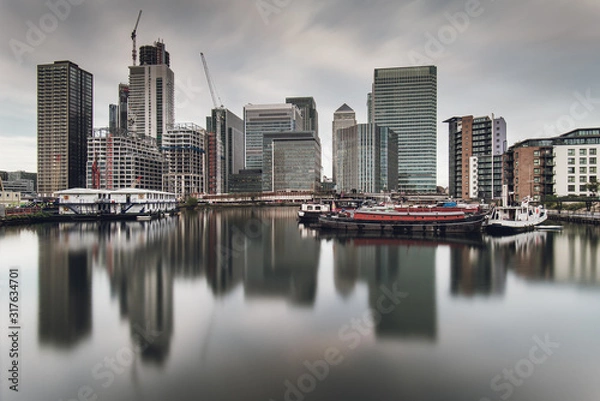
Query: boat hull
x: 463, y: 225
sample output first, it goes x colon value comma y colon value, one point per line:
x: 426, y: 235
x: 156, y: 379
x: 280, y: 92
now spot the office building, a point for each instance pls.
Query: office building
x: 116, y: 162
x: 405, y: 100
x: 151, y: 98
x: 476, y: 149
x: 65, y: 110
x: 344, y: 117
x: 308, y: 110
x: 366, y: 158
x: 214, y: 165
x: 262, y: 119
x: 183, y: 148
x: 230, y: 133
x: 246, y: 182
x: 292, y: 161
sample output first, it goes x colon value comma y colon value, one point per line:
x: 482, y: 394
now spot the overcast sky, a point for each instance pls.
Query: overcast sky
x: 534, y: 62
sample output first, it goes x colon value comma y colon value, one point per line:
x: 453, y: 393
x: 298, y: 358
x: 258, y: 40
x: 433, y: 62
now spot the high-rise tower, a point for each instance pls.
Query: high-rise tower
x: 65, y: 112
x: 344, y: 117
x: 151, y: 93
x: 405, y: 100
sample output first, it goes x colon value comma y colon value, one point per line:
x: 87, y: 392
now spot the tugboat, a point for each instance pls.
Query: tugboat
x: 508, y: 220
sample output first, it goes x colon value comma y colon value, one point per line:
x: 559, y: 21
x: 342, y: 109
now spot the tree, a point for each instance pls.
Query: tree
x: 191, y: 202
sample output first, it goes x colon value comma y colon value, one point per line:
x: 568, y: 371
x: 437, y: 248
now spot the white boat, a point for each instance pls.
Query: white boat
x: 310, y: 212
x: 515, y: 219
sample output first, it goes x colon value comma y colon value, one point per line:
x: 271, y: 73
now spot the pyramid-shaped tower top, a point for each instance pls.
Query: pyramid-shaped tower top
x: 345, y: 109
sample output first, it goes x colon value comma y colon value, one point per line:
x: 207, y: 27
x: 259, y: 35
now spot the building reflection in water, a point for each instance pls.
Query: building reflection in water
x: 398, y: 265
x: 475, y: 271
x: 277, y: 261
x: 65, y: 288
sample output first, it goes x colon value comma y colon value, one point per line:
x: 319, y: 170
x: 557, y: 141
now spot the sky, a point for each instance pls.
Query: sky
x: 533, y: 62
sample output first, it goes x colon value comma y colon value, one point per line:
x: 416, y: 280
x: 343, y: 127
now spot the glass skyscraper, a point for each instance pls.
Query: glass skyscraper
x: 262, y: 119
x: 405, y: 100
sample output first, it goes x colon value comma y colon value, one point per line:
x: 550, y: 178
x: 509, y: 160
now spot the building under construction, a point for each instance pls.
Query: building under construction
x: 183, y: 148
x: 116, y: 162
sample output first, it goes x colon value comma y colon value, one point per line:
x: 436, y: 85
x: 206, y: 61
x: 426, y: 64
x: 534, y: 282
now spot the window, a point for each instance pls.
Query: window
x: 582, y: 160
x: 536, y: 162
x: 583, y: 188
x: 593, y: 170
x: 536, y: 188
x: 582, y: 170
x: 571, y: 160
x: 536, y: 180
x: 571, y: 188
x: 593, y: 160
x: 571, y: 170
x: 593, y: 152
x: 593, y: 178
x: 582, y: 152
x: 536, y: 171
x: 536, y: 153
x: 571, y: 178
x: 571, y: 152
x: 583, y: 179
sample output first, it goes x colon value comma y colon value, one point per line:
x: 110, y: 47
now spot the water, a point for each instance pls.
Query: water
x: 247, y: 305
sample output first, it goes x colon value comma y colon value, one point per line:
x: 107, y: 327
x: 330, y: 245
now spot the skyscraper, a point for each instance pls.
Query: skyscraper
x: 308, y: 110
x: 65, y: 109
x: 151, y: 93
x: 344, y: 117
x: 476, y: 146
x: 405, y: 100
x: 365, y: 155
x: 229, y: 129
x: 262, y: 119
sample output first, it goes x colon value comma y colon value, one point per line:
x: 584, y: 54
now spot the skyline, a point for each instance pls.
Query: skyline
x: 491, y: 58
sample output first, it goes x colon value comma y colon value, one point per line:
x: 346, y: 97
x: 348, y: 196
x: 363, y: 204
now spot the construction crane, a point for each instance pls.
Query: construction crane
x: 133, y: 38
x: 210, y: 85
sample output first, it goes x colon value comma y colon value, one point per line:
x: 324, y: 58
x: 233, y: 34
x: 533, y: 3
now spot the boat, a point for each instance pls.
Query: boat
x: 411, y: 221
x: 507, y: 220
x: 310, y: 212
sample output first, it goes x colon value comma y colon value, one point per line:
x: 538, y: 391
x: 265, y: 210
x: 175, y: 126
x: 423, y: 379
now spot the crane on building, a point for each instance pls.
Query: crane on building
x: 211, y: 87
x: 133, y: 38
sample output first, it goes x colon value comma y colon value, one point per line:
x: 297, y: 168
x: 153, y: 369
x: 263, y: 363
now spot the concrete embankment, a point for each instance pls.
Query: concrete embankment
x: 575, y: 216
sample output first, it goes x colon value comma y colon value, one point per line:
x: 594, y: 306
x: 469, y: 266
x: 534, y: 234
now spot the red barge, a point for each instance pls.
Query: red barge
x: 408, y: 220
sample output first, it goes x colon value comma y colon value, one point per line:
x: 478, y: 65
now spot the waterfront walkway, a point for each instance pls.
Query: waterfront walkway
x: 575, y: 216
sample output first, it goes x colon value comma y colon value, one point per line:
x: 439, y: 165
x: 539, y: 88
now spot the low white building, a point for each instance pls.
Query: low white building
x: 127, y: 201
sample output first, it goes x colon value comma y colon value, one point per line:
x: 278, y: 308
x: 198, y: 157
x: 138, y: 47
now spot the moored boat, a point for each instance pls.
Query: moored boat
x: 435, y: 221
x: 310, y: 212
x: 507, y: 220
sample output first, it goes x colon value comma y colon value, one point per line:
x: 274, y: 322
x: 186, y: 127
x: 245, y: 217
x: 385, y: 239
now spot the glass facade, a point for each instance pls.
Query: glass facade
x: 262, y: 119
x: 292, y: 161
x: 405, y: 100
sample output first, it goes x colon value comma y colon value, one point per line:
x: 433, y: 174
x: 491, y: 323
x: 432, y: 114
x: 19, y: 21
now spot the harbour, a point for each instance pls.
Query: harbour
x: 223, y: 302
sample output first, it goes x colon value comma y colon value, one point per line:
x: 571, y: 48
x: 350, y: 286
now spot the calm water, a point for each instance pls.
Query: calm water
x: 247, y: 305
